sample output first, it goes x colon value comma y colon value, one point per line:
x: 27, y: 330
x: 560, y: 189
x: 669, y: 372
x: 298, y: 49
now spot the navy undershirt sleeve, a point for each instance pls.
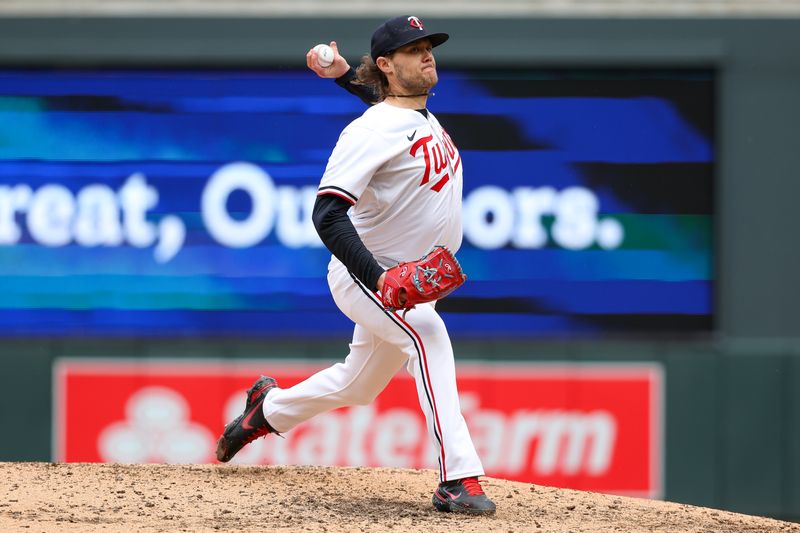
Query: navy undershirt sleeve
x: 364, y: 92
x: 341, y: 238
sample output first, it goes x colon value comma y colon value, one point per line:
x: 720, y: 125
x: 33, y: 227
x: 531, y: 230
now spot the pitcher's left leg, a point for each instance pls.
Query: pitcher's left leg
x: 433, y: 368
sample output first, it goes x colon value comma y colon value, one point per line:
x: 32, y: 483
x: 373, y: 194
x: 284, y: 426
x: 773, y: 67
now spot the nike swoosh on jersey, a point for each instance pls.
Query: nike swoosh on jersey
x: 411, y: 137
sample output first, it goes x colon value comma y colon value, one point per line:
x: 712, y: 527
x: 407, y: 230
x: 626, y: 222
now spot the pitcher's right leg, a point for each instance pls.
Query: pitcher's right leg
x: 368, y: 368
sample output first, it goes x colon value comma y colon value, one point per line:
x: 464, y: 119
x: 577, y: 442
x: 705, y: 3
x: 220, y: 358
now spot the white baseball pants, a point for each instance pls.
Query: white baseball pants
x: 382, y: 343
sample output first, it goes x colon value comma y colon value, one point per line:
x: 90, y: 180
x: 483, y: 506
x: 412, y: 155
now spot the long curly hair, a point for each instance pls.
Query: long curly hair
x: 368, y: 74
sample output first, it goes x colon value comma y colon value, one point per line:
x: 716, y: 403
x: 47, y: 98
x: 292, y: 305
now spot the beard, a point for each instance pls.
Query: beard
x: 418, y: 81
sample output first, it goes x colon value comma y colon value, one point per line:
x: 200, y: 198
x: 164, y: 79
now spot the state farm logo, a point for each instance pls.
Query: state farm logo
x: 589, y: 427
x: 157, y: 430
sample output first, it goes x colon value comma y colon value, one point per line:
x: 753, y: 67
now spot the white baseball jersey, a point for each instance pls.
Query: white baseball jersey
x: 403, y: 174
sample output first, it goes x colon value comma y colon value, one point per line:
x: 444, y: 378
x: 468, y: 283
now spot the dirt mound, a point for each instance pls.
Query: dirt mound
x: 97, y: 497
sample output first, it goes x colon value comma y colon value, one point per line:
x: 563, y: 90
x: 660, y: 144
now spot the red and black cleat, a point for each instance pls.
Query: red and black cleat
x: 248, y: 426
x: 463, y: 496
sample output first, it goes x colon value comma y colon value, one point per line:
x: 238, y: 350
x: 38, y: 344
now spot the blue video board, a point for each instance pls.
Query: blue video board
x: 178, y: 202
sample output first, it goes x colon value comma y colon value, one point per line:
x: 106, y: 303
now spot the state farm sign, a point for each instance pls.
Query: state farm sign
x: 586, y: 426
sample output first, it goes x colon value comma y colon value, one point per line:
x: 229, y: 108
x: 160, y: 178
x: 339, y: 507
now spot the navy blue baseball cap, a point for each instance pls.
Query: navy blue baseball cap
x: 400, y: 31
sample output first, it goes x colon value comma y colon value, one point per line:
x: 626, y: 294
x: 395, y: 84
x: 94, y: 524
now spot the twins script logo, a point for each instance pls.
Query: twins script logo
x: 437, y: 159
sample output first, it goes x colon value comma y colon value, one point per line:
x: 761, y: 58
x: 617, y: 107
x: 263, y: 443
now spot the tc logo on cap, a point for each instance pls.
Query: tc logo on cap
x: 414, y: 22
x: 400, y: 31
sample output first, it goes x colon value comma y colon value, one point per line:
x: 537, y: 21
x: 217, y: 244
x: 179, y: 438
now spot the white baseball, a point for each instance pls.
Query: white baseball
x: 324, y: 55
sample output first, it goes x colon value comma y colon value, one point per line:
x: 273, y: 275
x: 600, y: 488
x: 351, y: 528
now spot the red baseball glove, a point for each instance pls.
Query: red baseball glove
x: 432, y: 277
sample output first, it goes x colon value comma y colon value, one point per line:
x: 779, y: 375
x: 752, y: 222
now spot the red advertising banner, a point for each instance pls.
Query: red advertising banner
x: 586, y: 426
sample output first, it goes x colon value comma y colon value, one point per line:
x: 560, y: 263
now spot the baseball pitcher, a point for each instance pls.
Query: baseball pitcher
x: 389, y: 210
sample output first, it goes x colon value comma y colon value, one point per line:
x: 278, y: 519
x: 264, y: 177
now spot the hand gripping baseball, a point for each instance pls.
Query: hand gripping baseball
x: 432, y: 277
x: 338, y: 67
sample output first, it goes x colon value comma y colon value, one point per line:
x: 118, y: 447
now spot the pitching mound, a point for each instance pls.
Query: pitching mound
x: 94, y: 497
